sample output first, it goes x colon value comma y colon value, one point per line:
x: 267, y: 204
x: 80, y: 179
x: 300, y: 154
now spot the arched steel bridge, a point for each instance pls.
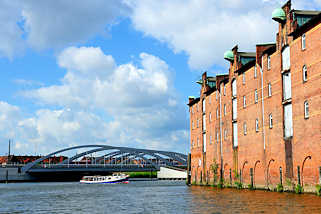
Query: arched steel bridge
x: 113, y: 159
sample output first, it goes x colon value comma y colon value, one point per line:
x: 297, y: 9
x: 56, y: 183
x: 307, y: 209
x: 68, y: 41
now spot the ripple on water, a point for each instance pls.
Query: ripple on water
x: 147, y: 197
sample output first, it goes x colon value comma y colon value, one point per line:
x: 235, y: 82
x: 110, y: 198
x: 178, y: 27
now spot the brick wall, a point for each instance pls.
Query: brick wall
x: 264, y: 149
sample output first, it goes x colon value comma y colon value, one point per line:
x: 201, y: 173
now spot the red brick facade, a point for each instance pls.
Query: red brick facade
x: 266, y: 140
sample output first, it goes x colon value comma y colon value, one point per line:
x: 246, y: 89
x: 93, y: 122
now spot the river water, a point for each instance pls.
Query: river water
x: 147, y: 197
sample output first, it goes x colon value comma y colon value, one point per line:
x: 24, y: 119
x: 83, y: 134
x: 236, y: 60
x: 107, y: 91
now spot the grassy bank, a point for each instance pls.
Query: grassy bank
x: 142, y: 174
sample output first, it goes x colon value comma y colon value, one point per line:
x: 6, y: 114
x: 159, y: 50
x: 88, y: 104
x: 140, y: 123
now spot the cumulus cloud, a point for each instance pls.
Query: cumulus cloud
x: 54, y: 24
x: 99, y: 101
x: 205, y: 29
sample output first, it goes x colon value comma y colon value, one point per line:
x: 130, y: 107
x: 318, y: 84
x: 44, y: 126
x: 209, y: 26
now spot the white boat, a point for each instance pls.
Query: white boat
x: 109, y: 179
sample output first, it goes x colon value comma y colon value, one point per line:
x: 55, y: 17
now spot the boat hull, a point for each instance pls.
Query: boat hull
x: 104, y: 179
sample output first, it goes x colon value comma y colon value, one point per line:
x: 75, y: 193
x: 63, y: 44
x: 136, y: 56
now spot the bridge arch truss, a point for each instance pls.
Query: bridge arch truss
x: 118, y: 155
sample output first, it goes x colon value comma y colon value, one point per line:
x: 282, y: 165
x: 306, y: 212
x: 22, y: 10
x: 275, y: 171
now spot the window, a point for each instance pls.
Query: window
x: 305, y: 73
x: 192, y: 124
x: 192, y: 109
x: 269, y: 62
x: 235, y: 142
x: 209, y: 100
x: 197, y: 123
x: 286, y: 59
x: 204, y: 122
x: 234, y: 108
x: 216, y: 94
x: 193, y: 144
x: 255, y: 96
x: 210, y: 117
x: 270, y: 121
x: 244, y: 128
x: 217, y: 136
x: 204, y: 142
x: 210, y: 139
x: 288, y: 122
x: 224, y: 90
x: 256, y: 125
x: 269, y: 90
x: 243, y: 78
x: 234, y: 88
x: 255, y: 72
x: 217, y: 113
x: 224, y: 109
x: 225, y: 134
x: 303, y: 42
x: 306, y: 109
x: 287, y: 91
x: 198, y: 142
x: 203, y: 105
x: 244, y: 101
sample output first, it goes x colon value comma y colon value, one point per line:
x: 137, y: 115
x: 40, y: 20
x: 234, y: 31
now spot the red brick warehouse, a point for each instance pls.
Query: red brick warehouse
x: 263, y: 117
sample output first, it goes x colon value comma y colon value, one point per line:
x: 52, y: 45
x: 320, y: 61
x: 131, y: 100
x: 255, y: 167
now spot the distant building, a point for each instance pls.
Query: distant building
x: 265, y: 114
x: 24, y: 159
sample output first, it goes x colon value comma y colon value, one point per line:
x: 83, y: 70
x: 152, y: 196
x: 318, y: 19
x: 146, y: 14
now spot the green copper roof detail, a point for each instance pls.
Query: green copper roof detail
x: 191, y: 97
x: 228, y: 55
x: 199, y: 82
x: 278, y: 15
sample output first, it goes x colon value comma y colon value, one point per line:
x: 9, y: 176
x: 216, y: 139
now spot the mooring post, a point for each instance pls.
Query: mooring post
x: 240, y: 176
x: 231, y: 176
x: 299, y: 176
x: 281, y: 181
x: 251, y: 175
x: 320, y: 175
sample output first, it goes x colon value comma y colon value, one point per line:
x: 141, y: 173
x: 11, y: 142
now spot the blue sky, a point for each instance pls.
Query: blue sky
x: 115, y: 72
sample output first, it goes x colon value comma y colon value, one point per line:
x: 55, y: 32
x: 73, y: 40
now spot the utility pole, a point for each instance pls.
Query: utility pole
x: 9, y: 152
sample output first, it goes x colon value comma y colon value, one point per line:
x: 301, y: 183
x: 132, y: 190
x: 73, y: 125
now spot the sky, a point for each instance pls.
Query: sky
x: 116, y: 72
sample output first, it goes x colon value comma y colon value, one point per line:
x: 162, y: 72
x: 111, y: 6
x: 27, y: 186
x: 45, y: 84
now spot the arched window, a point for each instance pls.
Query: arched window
x: 256, y: 125
x: 303, y: 42
x: 304, y: 73
x: 255, y: 96
x: 306, y: 109
x: 270, y: 121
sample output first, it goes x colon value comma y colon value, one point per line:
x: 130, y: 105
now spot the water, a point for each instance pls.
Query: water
x: 147, y: 197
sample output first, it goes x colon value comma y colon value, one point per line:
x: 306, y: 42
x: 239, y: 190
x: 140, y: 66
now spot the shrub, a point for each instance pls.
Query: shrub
x: 298, y: 189
x: 250, y: 186
x: 214, y: 169
x: 238, y: 185
x: 318, y: 187
x: 279, y: 188
x: 220, y: 185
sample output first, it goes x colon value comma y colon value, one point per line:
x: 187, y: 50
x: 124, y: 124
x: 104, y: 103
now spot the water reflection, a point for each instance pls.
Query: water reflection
x: 213, y: 200
x: 147, y: 197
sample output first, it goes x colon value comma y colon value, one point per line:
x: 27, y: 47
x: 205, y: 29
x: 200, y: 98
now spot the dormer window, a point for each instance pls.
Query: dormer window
x: 303, y: 42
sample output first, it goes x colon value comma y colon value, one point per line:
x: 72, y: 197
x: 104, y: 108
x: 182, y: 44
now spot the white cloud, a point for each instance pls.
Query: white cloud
x: 205, y: 29
x: 54, y: 24
x: 11, y: 42
x: 100, y: 101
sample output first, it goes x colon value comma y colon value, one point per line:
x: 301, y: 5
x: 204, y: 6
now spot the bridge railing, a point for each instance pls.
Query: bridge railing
x: 55, y: 166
